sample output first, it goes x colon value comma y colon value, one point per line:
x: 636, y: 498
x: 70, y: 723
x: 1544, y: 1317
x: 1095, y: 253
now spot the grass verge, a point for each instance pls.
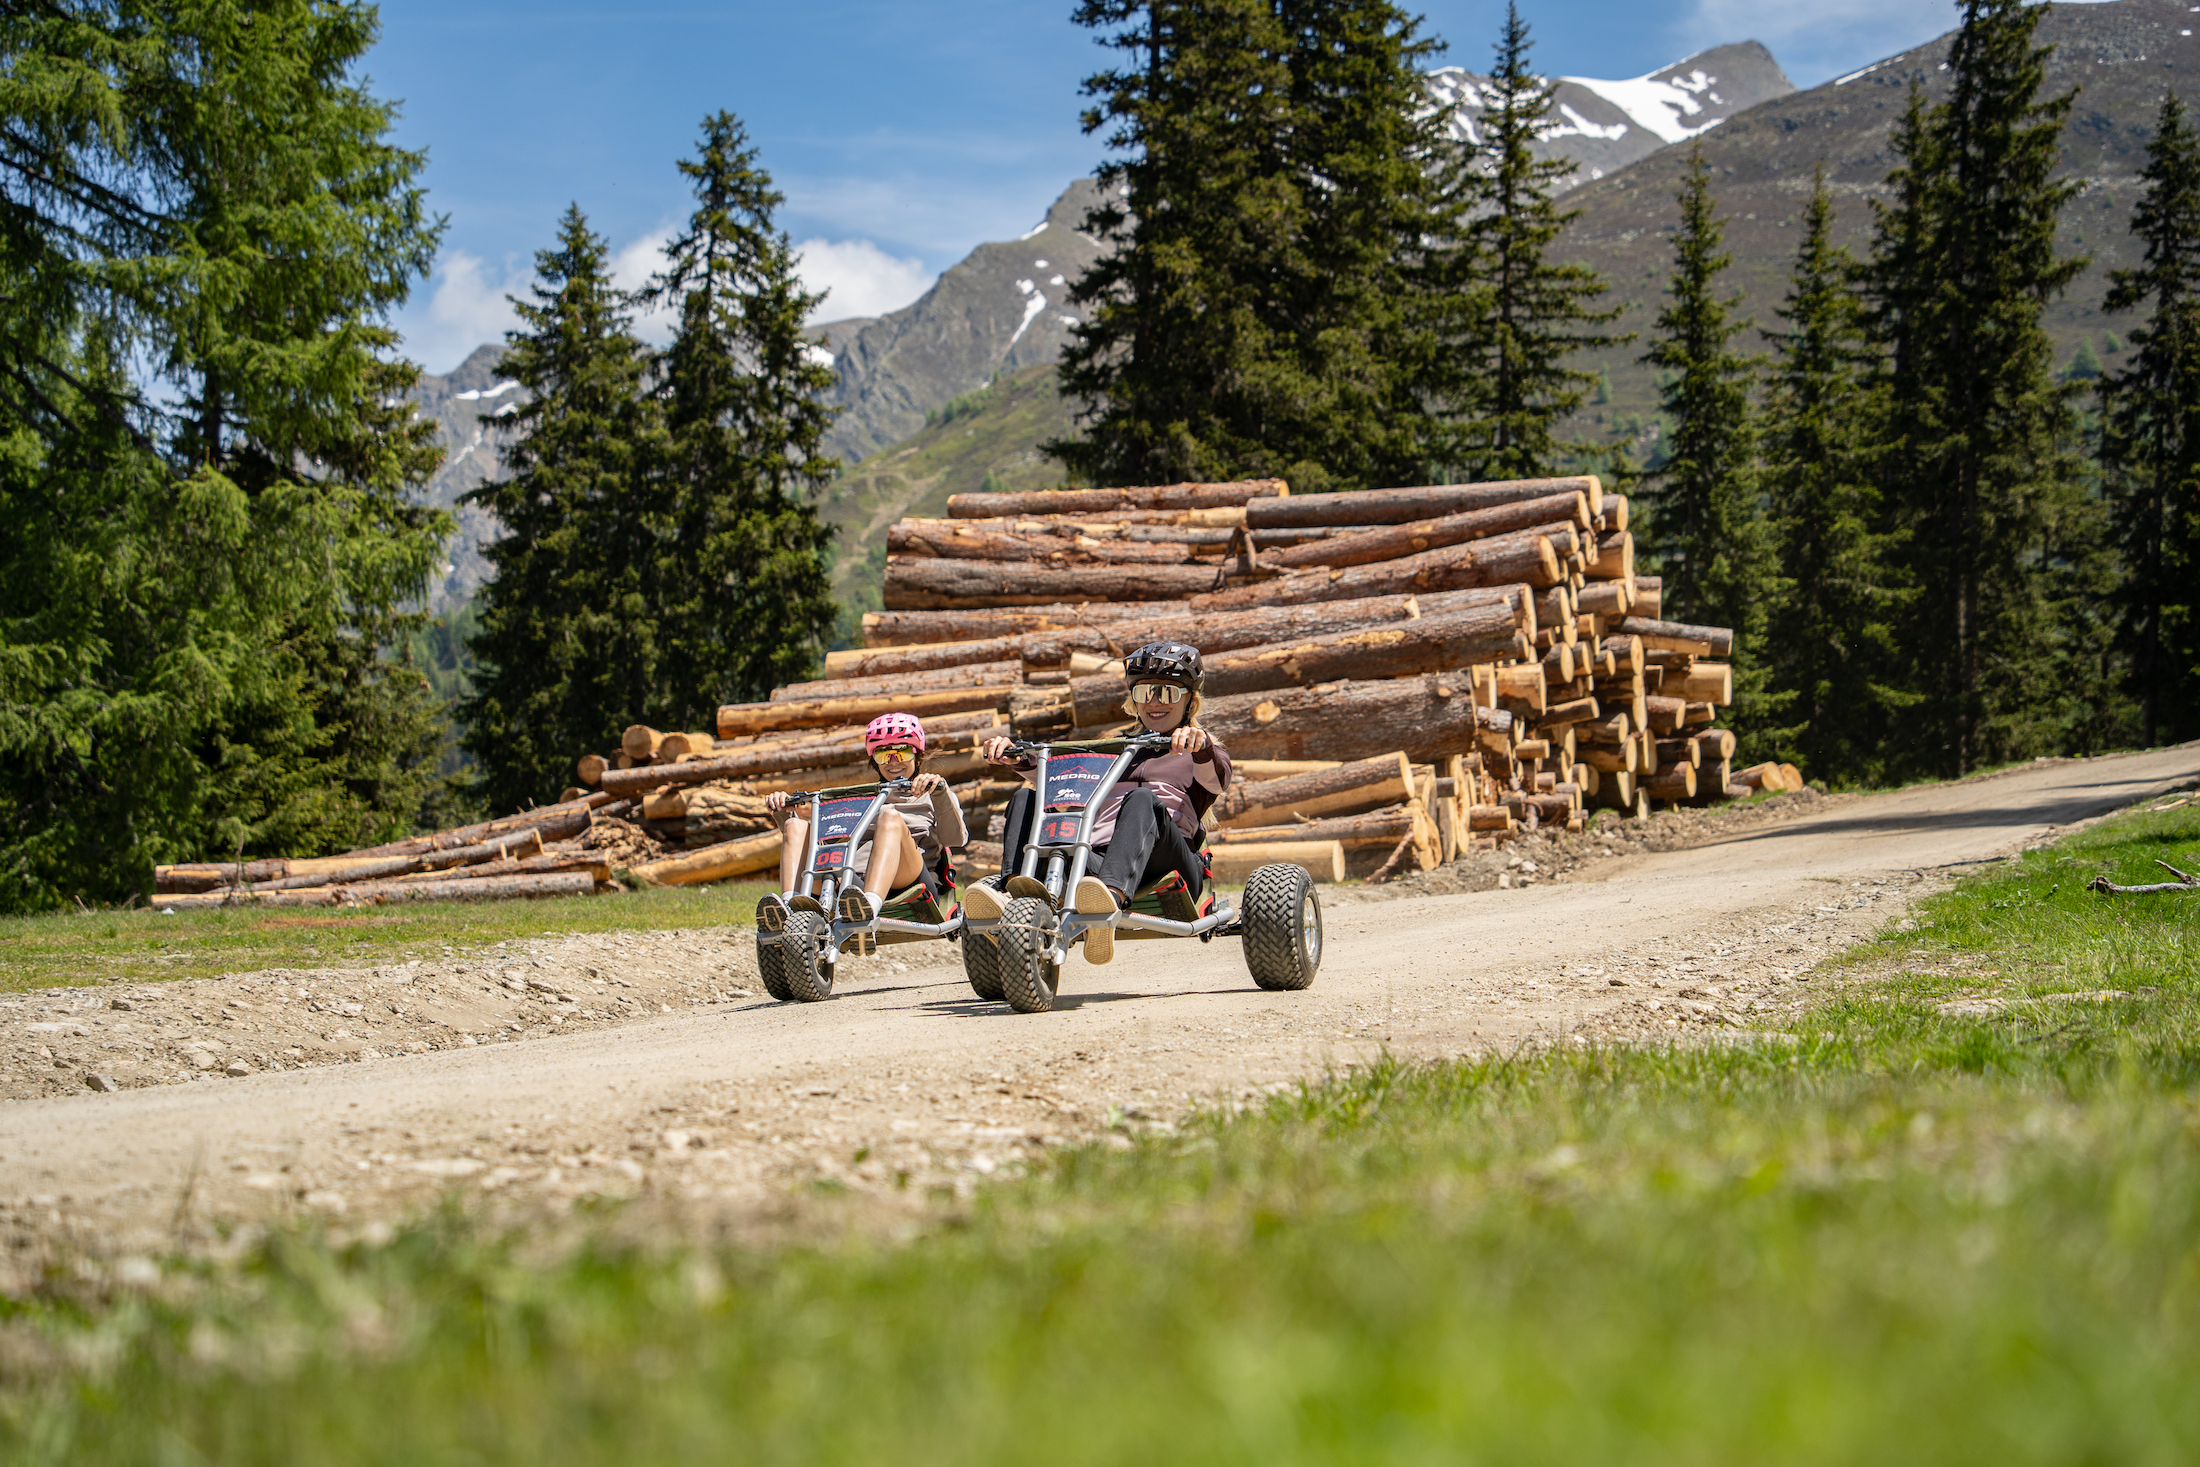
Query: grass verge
x: 142, y: 946
x: 1952, y: 1215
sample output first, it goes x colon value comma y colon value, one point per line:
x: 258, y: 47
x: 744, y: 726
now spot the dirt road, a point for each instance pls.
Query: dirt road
x: 906, y: 1084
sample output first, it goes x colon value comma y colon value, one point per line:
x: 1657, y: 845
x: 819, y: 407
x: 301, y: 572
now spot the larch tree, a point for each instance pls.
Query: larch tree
x: 2150, y: 438
x: 1978, y: 465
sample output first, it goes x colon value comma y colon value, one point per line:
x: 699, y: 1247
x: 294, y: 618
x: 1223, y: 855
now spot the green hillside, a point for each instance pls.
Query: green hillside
x: 984, y: 439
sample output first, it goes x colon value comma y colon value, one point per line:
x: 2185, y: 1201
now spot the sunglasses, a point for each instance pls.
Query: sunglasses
x: 1158, y: 693
x: 894, y: 751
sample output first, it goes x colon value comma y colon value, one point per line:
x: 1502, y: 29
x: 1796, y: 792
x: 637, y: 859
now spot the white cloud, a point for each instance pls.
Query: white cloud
x: 466, y: 308
x: 860, y: 278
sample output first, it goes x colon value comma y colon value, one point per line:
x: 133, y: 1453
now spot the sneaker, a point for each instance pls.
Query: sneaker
x: 804, y: 902
x: 981, y: 900
x: 1095, y: 900
x: 1027, y: 886
x: 771, y: 913
x: 858, y: 905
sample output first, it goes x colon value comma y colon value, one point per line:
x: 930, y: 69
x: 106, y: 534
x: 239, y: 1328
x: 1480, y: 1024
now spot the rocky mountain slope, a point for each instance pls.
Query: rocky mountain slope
x: 1600, y: 126
x: 2120, y: 56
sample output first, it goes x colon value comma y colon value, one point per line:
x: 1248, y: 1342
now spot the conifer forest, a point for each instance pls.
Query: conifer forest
x: 1940, y: 550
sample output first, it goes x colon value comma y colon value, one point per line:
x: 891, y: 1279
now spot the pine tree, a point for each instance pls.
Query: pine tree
x: 1254, y: 313
x: 2150, y: 438
x: 1830, y: 639
x: 568, y: 653
x: 1525, y: 318
x: 744, y: 603
x: 212, y: 533
x: 1706, y: 513
x: 1979, y: 470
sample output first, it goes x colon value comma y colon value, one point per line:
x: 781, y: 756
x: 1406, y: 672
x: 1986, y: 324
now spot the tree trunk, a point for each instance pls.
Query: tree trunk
x: 948, y: 540
x: 1403, y: 506
x: 1429, y: 717
x: 987, y: 673
x: 913, y: 584
x: 1673, y: 636
x: 1110, y: 501
x: 1322, y: 860
x: 1360, y: 785
x: 738, y: 719
x: 1389, y: 542
x: 712, y: 863
x: 1355, y: 832
x: 1432, y: 644
x: 556, y: 822
x: 1523, y: 558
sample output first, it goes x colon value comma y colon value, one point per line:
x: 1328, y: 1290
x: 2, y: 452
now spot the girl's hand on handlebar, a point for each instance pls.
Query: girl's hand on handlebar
x: 776, y: 801
x: 995, y: 751
x: 924, y: 784
x: 1188, y: 740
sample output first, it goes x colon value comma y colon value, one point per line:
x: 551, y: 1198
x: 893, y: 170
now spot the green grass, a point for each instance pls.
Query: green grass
x: 109, y: 946
x: 1891, y: 1234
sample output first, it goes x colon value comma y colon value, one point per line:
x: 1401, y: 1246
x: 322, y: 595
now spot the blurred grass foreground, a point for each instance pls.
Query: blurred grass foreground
x: 1952, y: 1215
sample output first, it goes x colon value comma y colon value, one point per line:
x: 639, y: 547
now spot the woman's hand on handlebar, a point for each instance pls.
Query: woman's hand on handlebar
x: 1188, y: 740
x: 924, y: 784
x: 995, y: 751
x: 776, y: 801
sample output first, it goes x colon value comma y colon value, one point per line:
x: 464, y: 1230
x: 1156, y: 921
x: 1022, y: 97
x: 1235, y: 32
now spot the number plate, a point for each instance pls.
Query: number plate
x: 1060, y: 830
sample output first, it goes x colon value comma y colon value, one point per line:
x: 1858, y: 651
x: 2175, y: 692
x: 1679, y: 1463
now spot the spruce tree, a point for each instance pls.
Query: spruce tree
x: 1524, y: 317
x: 744, y: 603
x: 212, y: 529
x: 1265, y: 204
x: 568, y: 653
x: 1830, y: 644
x: 1707, y: 523
x: 2150, y: 438
x: 1978, y: 437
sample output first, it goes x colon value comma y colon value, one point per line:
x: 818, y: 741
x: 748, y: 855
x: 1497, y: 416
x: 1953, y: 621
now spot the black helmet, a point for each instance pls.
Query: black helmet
x: 1166, y: 662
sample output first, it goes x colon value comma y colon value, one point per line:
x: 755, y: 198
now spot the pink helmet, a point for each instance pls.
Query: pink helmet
x: 894, y: 728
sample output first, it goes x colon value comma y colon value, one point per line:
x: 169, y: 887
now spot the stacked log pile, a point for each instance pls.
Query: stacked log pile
x: 1401, y: 675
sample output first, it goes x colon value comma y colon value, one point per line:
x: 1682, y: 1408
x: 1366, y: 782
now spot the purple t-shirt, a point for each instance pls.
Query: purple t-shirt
x: 1172, y: 779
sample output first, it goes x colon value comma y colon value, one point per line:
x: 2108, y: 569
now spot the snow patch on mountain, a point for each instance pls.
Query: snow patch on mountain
x: 1661, y: 104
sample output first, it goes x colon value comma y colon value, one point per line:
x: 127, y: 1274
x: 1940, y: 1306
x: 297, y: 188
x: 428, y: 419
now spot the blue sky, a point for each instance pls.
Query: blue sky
x: 901, y: 134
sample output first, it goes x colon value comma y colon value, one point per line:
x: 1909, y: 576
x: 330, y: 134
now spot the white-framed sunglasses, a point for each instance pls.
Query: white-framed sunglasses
x: 1158, y: 693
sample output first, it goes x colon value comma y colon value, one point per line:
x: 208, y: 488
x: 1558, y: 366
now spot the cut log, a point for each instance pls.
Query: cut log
x: 913, y: 584
x: 1609, y: 599
x: 1489, y: 817
x: 640, y: 742
x: 1673, y: 636
x: 990, y: 674
x: 1579, y: 710
x: 1431, y: 644
x: 590, y: 768
x: 485, y: 889
x: 1614, y: 559
x: 593, y: 863
x: 1767, y: 777
x: 555, y: 822
x: 952, y: 540
x: 1649, y: 597
x: 1717, y: 744
x: 1522, y: 688
x: 685, y: 745
x: 1248, y: 771
x: 1430, y: 717
x: 1679, y: 751
x: 1389, y: 542
x: 1671, y: 783
x: 1794, y: 776
x: 952, y: 734
x: 1527, y: 558
x: 712, y: 863
x: 1374, y: 828
x: 1558, y: 664
x: 1323, y: 860
x: 1706, y: 682
x: 1403, y: 506
x: 1666, y: 715
x: 736, y: 719
x: 1364, y: 784
x: 1614, y: 517
x: 1110, y: 501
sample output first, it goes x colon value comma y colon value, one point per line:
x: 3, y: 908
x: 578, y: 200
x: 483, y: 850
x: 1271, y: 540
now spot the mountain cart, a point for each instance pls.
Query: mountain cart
x: 798, y: 964
x: 1018, y: 956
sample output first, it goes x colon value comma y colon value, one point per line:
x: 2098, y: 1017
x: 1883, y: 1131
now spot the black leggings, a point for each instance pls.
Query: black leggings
x: 1145, y: 846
